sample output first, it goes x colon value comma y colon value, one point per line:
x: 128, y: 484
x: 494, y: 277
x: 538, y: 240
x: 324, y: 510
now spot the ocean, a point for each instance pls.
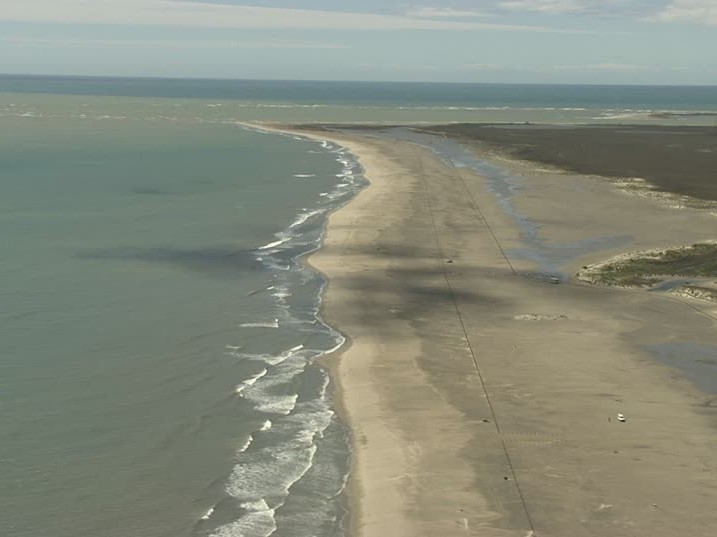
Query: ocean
x: 159, y: 332
x: 357, y: 102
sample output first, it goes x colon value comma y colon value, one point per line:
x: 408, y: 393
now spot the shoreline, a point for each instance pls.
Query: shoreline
x: 330, y: 361
x: 420, y: 425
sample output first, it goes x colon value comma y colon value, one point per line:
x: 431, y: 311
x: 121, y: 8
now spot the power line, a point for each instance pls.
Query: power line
x: 465, y: 333
x: 480, y: 214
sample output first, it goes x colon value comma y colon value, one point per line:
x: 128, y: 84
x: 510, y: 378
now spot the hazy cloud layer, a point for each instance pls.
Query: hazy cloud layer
x: 548, y: 6
x: 448, y: 13
x: 202, y: 14
x: 317, y: 14
x: 575, y: 41
x: 638, y: 9
x: 603, y: 67
x: 74, y: 42
x: 697, y: 11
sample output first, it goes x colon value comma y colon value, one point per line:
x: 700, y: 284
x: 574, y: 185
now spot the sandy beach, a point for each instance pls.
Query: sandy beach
x: 483, y: 400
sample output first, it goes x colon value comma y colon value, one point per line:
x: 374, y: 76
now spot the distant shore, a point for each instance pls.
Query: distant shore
x: 677, y: 159
x: 483, y: 401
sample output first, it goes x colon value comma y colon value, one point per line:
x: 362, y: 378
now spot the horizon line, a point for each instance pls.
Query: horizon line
x: 417, y: 82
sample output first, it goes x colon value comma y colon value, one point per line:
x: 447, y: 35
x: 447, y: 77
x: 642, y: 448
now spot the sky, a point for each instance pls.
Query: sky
x: 523, y: 41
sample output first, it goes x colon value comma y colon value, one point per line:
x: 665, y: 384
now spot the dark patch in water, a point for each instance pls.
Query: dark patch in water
x: 216, y: 262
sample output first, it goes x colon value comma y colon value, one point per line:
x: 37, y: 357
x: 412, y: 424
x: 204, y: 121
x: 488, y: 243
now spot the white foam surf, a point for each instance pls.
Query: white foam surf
x: 277, y: 404
x: 275, y: 243
x: 258, y: 521
x: 249, y: 382
x: 267, y: 469
x: 305, y: 216
x: 208, y: 514
x: 281, y: 293
x: 273, y: 324
x: 269, y: 394
x: 243, y: 447
x: 261, y: 482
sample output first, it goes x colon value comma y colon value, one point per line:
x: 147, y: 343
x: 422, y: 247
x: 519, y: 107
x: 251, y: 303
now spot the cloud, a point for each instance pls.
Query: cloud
x: 441, y: 13
x: 609, y: 8
x: 617, y: 67
x: 215, y: 15
x: 693, y: 11
x: 398, y: 67
x: 485, y: 67
x: 697, y: 11
x: 160, y: 43
x: 546, y: 6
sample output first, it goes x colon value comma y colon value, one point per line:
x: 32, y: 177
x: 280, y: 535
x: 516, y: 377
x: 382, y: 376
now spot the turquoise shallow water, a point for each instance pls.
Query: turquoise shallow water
x: 157, y: 328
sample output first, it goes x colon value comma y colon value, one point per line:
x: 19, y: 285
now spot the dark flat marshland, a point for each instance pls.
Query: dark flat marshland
x: 679, y: 160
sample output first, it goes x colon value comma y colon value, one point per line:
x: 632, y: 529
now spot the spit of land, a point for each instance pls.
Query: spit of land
x: 483, y: 400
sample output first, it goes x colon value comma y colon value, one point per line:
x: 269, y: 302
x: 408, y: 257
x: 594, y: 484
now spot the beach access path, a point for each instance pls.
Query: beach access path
x: 484, y: 401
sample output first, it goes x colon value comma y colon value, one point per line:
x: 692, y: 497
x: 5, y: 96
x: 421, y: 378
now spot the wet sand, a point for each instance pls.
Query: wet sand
x: 484, y: 401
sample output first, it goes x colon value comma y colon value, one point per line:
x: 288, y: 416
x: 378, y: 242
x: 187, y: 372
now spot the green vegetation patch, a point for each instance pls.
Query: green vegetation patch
x: 643, y: 269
